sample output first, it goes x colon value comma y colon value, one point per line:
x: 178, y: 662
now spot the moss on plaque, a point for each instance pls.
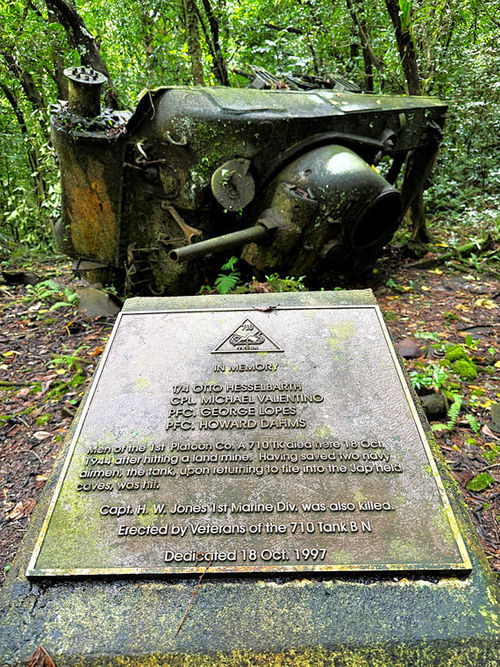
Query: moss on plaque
x: 353, y: 620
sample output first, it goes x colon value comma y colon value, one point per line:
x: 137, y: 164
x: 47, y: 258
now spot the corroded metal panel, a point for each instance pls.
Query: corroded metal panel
x: 91, y: 194
x: 273, y: 439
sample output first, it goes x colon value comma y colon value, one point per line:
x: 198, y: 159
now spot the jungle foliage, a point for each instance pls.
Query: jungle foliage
x: 447, y: 48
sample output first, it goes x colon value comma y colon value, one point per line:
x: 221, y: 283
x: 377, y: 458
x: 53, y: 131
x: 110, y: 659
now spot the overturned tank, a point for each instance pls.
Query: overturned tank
x: 290, y: 181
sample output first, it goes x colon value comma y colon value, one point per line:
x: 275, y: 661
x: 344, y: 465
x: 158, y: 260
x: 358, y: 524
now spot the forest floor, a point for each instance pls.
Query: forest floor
x: 49, y: 350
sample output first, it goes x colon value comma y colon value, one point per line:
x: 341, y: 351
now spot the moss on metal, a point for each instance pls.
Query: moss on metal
x: 353, y: 620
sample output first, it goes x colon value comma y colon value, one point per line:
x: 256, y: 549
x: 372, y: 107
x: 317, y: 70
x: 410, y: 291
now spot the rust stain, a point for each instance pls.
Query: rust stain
x: 94, y: 226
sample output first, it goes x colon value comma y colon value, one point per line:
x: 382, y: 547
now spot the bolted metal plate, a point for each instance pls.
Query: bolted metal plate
x: 85, y: 75
x: 279, y: 439
x: 232, y: 184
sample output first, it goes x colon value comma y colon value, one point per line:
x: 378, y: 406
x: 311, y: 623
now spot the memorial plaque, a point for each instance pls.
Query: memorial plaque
x: 269, y: 439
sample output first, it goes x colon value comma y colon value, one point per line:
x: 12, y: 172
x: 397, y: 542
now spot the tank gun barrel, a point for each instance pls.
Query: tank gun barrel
x: 220, y: 243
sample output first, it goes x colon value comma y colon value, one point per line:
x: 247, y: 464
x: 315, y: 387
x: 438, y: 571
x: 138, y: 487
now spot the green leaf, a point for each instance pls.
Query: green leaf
x: 405, y: 13
x: 454, y: 411
x: 480, y: 482
x: 473, y: 423
x: 230, y: 264
x: 225, y: 283
x: 439, y: 427
x: 430, y: 376
x: 60, y: 304
x: 427, y: 335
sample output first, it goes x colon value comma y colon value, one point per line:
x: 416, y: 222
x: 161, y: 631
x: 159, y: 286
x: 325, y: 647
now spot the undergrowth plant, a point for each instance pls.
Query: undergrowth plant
x: 287, y: 284
x: 74, y: 364
x: 443, y: 377
x: 453, y: 412
x: 229, y: 276
x: 71, y: 360
x: 473, y: 423
x: 429, y: 376
x: 51, y: 292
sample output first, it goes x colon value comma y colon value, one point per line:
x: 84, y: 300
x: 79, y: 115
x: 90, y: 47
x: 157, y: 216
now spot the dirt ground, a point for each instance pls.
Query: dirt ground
x: 49, y: 350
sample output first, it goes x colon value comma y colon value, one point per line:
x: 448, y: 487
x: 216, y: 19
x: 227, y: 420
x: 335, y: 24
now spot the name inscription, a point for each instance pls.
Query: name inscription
x: 313, y: 462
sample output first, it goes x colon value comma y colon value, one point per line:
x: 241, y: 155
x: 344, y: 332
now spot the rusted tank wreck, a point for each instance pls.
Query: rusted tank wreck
x: 288, y: 180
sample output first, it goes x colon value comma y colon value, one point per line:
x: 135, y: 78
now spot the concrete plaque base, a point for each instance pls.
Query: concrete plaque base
x: 411, y: 587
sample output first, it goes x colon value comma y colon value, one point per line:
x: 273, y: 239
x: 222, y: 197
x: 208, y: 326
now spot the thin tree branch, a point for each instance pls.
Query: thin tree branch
x: 376, y: 61
x: 220, y: 64
x: 497, y: 23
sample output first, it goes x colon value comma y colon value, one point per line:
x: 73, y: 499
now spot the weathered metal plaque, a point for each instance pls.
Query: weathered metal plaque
x: 249, y: 439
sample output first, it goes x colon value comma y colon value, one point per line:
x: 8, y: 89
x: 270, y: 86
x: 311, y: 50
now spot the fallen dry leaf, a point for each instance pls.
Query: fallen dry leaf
x: 41, y: 658
x: 29, y: 505
x: 485, y: 303
x: 16, y: 512
x: 23, y: 508
x: 45, y: 386
x: 41, y: 435
x: 486, y: 430
x: 10, y: 356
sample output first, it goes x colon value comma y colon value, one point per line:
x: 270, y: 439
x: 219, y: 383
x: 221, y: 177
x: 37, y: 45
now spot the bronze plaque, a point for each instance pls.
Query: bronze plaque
x: 277, y: 439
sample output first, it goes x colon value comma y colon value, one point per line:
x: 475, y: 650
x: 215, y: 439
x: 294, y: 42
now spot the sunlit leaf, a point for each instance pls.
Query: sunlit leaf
x: 480, y: 482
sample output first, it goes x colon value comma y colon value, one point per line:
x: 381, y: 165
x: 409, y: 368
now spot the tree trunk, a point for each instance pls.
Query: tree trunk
x: 58, y: 61
x: 406, y: 48
x: 368, y: 68
x: 193, y: 39
x: 369, y: 56
x: 31, y: 152
x: 149, y: 27
x: 317, y: 23
x: 80, y: 38
x: 220, y: 69
x: 419, y: 231
x: 25, y: 79
x: 408, y: 56
x: 314, y: 56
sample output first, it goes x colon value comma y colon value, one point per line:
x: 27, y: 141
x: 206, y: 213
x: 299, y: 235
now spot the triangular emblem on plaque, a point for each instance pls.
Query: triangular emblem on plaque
x: 247, y: 338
